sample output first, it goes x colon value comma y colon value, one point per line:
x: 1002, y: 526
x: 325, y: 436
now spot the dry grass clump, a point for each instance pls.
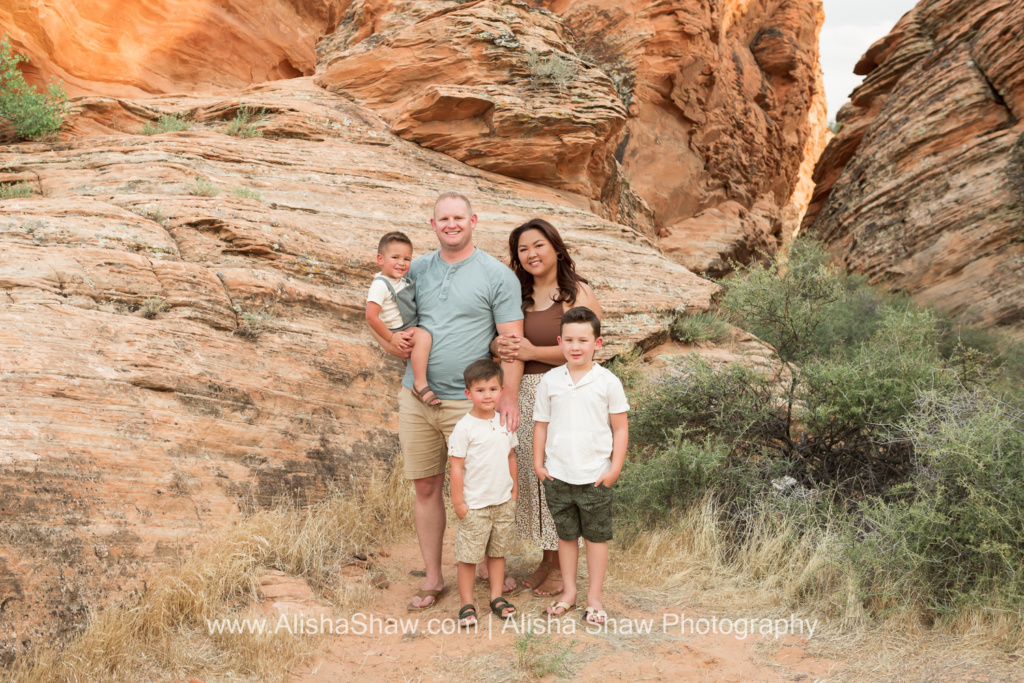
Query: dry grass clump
x: 164, y: 632
x: 779, y: 563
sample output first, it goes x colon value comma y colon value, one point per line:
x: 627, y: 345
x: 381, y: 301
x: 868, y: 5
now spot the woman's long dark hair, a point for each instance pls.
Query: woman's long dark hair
x: 568, y: 279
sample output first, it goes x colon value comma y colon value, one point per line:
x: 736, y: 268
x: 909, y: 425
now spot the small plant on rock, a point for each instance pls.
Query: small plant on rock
x: 245, y: 123
x: 554, y: 68
x: 246, y: 193
x: 151, y: 308
x: 168, y: 123
x: 252, y: 324
x: 698, y: 328
x: 30, y: 113
x: 16, y: 190
x: 202, y: 187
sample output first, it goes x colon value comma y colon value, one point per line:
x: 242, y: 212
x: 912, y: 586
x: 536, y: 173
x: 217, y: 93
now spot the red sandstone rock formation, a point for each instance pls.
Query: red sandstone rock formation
x: 171, y: 357
x: 724, y: 102
x: 132, y: 47
x: 175, y: 350
x: 922, y: 189
x: 494, y: 84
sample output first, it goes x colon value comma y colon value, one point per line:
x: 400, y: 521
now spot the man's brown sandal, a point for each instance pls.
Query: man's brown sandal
x: 437, y: 594
x: 421, y: 394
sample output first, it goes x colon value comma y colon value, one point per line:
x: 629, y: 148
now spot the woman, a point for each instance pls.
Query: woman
x: 551, y: 286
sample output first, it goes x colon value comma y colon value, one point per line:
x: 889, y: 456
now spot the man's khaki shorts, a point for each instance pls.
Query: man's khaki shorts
x: 423, y: 432
x: 489, y: 531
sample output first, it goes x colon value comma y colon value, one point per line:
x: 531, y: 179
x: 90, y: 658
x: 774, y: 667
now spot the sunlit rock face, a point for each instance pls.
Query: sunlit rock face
x: 131, y: 47
x: 182, y: 333
x: 922, y: 189
x: 713, y: 112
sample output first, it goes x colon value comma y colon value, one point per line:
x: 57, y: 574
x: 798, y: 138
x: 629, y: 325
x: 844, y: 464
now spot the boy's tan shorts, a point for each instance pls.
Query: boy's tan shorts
x: 423, y: 432
x: 488, y: 531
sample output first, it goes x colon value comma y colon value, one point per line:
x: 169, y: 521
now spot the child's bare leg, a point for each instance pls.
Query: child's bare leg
x: 597, y: 564
x: 467, y: 575
x: 421, y: 341
x: 568, y: 556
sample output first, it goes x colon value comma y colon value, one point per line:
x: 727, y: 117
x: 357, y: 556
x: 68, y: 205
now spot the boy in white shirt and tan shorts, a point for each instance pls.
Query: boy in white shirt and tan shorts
x: 579, y: 444
x: 484, y: 489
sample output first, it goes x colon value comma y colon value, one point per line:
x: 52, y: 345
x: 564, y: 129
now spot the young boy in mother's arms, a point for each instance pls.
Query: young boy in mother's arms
x: 579, y: 445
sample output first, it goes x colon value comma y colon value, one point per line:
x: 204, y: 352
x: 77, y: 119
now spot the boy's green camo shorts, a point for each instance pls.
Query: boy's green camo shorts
x: 580, y: 510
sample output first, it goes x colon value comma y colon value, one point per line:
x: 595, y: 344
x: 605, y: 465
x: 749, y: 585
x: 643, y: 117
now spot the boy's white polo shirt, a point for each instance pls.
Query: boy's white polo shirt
x: 485, y: 445
x: 578, y: 448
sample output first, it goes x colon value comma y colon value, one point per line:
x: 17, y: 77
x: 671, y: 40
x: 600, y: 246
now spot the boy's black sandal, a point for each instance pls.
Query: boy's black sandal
x: 500, y: 604
x: 466, y: 612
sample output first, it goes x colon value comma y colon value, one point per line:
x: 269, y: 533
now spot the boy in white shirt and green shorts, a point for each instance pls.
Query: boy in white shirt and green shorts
x: 579, y: 444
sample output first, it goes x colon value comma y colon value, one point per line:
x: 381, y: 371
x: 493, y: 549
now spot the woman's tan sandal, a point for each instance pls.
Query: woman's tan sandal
x: 558, y: 608
x: 427, y: 397
x: 595, y: 616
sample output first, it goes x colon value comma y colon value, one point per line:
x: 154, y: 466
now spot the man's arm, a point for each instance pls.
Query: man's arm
x: 620, y: 439
x: 508, y: 405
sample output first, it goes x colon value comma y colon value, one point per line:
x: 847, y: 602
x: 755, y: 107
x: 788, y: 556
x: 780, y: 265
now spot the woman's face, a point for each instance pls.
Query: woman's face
x: 536, y: 254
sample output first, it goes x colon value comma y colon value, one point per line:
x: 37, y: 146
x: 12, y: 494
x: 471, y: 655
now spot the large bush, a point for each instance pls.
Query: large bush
x: 872, y: 413
x: 29, y: 113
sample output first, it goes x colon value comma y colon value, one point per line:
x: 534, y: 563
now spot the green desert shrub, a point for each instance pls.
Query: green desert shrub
x: 697, y: 328
x: 667, y: 479
x: 16, y: 190
x: 201, y: 187
x: 167, y: 123
x: 29, y: 113
x: 954, y: 534
x: 910, y: 443
x: 245, y: 123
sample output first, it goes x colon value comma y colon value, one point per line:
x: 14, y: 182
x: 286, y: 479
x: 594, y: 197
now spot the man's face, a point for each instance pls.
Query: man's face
x: 453, y: 224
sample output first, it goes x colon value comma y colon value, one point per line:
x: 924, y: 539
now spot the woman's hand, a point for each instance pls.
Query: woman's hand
x: 512, y: 347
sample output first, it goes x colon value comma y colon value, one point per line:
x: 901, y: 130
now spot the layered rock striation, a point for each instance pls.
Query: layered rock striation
x: 707, y: 111
x: 181, y: 325
x: 726, y: 103
x: 134, y: 47
x: 922, y: 189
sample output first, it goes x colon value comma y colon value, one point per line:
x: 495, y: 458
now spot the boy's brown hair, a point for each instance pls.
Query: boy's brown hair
x: 481, y: 371
x: 390, y: 237
x: 582, y: 314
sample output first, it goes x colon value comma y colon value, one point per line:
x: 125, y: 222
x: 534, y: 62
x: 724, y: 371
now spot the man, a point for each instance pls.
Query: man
x: 464, y: 297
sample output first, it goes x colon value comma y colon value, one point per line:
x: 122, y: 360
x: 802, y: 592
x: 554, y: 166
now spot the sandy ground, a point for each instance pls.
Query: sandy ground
x: 422, y: 646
